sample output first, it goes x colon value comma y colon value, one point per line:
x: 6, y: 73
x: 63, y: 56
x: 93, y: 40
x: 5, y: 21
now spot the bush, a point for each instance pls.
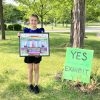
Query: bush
x: 17, y: 27
x: 10, y: 27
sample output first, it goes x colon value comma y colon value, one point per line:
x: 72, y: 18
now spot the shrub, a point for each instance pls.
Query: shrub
x: 10, y: 27
x: 17, y: 27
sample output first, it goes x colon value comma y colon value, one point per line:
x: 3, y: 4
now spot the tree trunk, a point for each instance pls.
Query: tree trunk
x: 2, y: 21
x: 55, y: 22
x: 78, y: 24
x: 63, y: 23
x: 41, y: 21
x: 42, y: 16
x: 72, y: 30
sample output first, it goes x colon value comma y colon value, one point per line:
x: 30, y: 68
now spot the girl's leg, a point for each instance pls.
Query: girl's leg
x: 36, y: 73
x: 30, y: 73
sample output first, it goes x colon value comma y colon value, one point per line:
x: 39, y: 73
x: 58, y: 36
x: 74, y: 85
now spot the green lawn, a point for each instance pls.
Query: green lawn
x: 13, y: 71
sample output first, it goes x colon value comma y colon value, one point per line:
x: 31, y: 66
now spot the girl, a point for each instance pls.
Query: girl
x: 33, y: 62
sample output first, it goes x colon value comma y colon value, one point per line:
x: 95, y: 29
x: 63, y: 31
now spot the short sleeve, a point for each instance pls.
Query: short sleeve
x: 26, y: 30
x: 42, y: 30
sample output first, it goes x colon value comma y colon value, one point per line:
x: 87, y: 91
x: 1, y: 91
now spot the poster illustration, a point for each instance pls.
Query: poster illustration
x: 34, y: 44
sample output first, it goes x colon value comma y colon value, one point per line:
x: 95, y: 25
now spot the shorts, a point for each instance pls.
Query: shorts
x: 32, y: 59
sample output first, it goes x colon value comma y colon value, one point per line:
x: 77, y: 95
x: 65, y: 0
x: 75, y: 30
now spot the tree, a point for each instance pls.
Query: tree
x: 93, y: 10
x: 39, y: 7
x: 61, y: 11
x: 11, y: 13
x: 78, y: 24
x: 2, y: 20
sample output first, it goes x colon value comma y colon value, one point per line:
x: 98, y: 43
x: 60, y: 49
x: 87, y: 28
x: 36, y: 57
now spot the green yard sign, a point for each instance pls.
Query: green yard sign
x: 78, y: 64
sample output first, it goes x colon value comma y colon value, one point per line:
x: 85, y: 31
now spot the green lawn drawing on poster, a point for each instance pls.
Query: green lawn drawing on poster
x: 78, y: 64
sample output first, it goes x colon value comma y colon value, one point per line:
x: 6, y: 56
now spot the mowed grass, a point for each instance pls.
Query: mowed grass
x: 13, y: 71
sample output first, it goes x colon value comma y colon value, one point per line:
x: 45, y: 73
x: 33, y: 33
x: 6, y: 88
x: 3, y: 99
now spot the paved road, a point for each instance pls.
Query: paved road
x: 87, y: 29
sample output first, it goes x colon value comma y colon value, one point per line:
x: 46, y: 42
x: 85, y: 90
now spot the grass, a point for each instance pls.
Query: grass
x: 13, y: 72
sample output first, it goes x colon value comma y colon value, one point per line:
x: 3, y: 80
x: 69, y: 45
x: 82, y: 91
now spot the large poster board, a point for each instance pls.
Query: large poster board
x: 33, y: 44
x: 78, y: 64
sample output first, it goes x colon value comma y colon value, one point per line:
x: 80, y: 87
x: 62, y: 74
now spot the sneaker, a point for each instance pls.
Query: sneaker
x: 31, y: 88
x: 36, y: 89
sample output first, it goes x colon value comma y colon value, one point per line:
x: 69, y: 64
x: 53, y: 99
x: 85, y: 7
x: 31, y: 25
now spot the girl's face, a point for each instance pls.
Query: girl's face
x: 33, y: 21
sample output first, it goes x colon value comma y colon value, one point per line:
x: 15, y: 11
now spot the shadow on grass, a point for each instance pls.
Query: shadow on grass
x: 13, y: 91
x: 93, y: 45
x: 52, y: 91
x: 19, y: 91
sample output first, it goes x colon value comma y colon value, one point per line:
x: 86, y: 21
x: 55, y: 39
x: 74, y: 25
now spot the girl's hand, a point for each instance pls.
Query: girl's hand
x: 18, y: 34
